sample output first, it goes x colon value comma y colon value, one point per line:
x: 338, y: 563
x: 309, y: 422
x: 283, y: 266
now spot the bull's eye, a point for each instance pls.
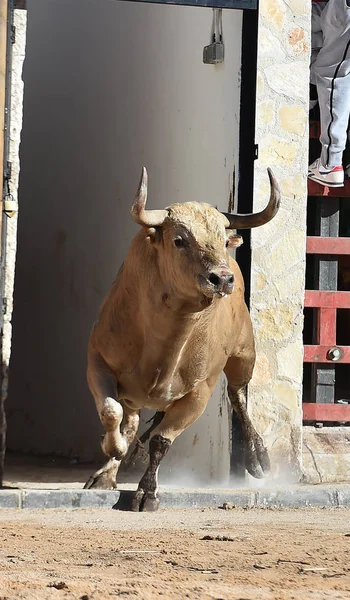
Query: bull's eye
x: 179, y: 242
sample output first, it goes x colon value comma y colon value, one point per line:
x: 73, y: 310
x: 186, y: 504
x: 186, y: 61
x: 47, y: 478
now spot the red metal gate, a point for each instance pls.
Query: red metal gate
x: 325, y: 300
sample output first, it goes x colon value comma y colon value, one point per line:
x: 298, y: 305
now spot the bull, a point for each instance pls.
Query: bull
x: 173, y: 320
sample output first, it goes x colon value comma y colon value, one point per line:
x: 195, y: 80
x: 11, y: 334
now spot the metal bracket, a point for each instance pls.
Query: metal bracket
x: 335, y: 353
x: 215, y: 52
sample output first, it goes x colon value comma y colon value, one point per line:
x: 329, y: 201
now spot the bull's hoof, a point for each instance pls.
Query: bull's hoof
x: 149, y: 504
x: 257, y: 459
x: 105, y: 478
x: 144, y: 502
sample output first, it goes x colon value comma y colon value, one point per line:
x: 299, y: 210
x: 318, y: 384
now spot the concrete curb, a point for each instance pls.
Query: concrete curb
x: 298, y: 497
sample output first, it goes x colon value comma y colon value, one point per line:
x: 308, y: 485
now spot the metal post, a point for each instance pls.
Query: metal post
x: 5, y: 14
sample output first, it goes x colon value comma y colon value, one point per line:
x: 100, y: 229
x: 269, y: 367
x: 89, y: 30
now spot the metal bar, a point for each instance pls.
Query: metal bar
x: 240, y: 4
x: 316, y: 189
x: 319, y: 354
x: 326, y: 412
x: 327, y: 326
x: 327, y: 245
x: 324, y: 299
x: 3, y: 48
x: 242, y: 192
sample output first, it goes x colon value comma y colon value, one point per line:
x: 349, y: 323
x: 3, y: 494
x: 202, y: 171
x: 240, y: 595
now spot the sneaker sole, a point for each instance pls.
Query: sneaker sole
x: 325, y: 183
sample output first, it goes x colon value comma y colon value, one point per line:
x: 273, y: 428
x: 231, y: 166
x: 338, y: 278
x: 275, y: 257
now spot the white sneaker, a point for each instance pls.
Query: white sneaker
x: 330, y: 177
x: 347, y: 171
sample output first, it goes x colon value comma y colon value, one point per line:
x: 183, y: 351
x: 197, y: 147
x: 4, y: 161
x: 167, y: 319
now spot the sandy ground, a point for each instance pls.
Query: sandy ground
x: 198, y: 554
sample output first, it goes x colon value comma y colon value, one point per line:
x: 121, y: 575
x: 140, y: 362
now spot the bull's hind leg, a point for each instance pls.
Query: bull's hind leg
x: 177, y: 418
x: 238, y: 373
x: 120, y: 423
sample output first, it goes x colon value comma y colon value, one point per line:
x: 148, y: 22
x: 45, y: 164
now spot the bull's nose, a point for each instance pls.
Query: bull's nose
x: 222, y: 280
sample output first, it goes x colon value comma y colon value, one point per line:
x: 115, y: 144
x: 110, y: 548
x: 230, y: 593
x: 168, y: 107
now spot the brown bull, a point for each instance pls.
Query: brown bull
x: 174, y: 318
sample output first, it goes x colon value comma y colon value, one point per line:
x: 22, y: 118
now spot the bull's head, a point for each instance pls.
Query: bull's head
x: 193, y: 238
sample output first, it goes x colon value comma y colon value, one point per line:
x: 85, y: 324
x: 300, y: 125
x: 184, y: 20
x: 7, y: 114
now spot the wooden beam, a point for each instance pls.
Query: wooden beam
x: 325, y: 299
x: 317, y: 189
x: 327, y: 326
x: 327, y: 245
x: 326, y: 412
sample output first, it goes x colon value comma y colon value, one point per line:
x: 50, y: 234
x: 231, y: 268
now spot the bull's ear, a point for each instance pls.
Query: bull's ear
x: 153, y: 234
x: 234, y: 240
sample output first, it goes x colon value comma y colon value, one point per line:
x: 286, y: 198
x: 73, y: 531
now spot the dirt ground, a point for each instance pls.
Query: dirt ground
x: 198, y: 554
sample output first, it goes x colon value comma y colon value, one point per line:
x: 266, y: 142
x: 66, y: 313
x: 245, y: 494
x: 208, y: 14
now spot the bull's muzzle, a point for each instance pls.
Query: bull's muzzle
x: 219, y: 281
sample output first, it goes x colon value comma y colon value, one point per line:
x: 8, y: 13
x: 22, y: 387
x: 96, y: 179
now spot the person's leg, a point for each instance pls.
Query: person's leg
x: 332, y: 77
x: 316, y: 36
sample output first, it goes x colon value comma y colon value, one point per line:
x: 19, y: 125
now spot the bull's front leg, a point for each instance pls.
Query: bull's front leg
x: 120, y: 424
x: 257, y: 460
x: 177, y: 418
x: 146, y: 497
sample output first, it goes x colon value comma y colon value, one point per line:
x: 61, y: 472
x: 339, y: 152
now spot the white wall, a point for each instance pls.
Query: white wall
x: 109, y: 86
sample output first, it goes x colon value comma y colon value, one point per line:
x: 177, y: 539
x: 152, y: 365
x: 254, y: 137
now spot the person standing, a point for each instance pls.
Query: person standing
x: 330, y: 72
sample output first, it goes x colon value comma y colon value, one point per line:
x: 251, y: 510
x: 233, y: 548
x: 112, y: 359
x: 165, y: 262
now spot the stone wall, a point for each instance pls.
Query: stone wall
x: 278, y: 249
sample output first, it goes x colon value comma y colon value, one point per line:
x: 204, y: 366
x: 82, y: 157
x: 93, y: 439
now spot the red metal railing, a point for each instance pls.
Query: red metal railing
x: 324, y: 352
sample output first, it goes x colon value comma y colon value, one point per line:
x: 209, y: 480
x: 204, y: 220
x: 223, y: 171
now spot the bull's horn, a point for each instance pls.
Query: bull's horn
x: 260, y: 218
x: 147, y: 218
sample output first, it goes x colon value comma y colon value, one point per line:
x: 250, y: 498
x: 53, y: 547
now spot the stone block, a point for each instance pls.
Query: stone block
x: 286, y: 253
x: 269, y: 44
x: 287, y: 287
x: 260, y: 282
x: 41, y: 499
x: 299, y: 498
x: 275, y: 151
x: 260, y: 84
x: 297, y: 41
x: 275, y: 323
x: 10, y: 499
x: 343, y: 496
x: 99, y: 498
x: 294, y: 186
x: 287, y: 396
x: 261, y: 373
x: 265, y: 113
x: 326, y: 454
x: 293, y: 118
x: 298, y: 7
x: 290, y: 361
x: 195, y: 499
x: 274, y: 12
x: 290, y: 79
